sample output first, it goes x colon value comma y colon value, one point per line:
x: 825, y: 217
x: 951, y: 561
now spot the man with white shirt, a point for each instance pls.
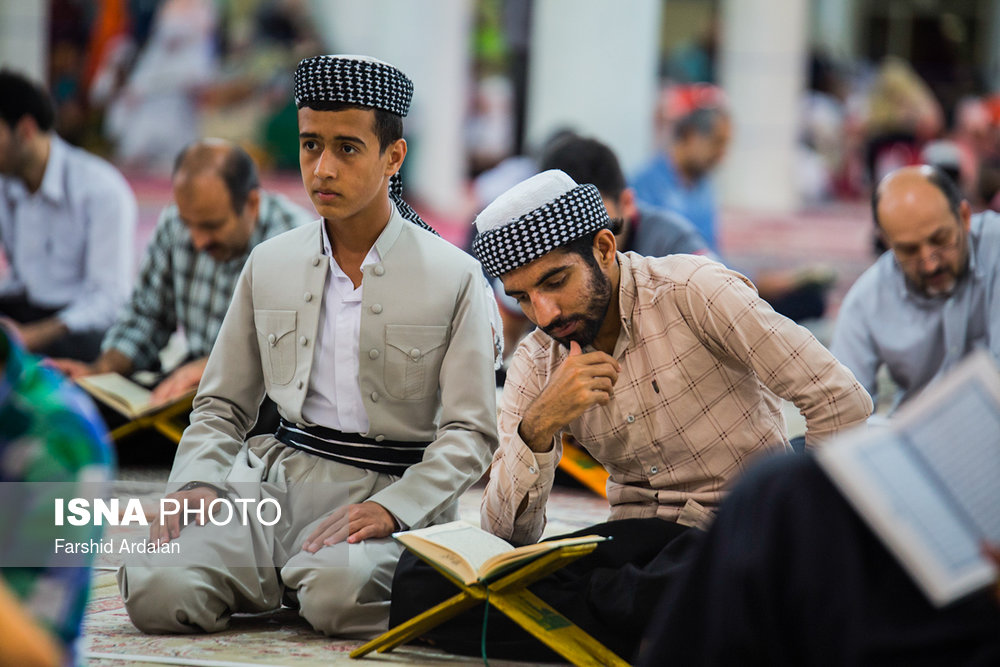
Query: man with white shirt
x: 67, y: 222
x: 372, y: 336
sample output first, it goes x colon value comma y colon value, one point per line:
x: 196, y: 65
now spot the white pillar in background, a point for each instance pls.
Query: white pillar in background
x: 429, y: 41
x: 24, y: 37
x: 593, y: 69
x: 763, y: 67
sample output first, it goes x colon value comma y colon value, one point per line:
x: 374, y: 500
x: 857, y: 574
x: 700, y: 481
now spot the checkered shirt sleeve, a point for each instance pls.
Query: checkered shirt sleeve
x: 145, y: 323
x: 181, y: 287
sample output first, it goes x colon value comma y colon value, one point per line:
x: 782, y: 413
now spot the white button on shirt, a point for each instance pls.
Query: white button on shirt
x: 334, y: 397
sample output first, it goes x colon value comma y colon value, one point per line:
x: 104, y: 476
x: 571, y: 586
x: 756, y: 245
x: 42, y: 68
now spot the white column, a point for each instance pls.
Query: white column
x: 593, y: 69
x: 763, y: 64
x: 429, y: 41
x: 24, y: 37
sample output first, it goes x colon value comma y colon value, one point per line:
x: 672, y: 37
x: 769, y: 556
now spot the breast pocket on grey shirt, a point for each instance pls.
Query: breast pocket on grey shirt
x: 413, y: 356
x: 276, y: 338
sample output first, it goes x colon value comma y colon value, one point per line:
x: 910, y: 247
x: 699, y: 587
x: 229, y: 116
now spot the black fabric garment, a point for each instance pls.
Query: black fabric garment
x: 610, y: 593
x: 81, y: 345
x: 149, y: 447
x: 788, y: 574
x: 806, y: 302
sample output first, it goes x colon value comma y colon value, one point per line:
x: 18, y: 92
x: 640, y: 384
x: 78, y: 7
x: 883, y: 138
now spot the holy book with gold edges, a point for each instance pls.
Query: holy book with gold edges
x: 472, y: 555
x: 129, y: 398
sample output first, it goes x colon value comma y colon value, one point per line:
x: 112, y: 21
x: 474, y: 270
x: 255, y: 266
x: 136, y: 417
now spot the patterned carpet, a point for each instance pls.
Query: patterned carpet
x: 281, y: 637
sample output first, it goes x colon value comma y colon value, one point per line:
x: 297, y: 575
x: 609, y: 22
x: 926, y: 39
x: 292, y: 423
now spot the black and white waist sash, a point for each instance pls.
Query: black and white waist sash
x: 353, y: 449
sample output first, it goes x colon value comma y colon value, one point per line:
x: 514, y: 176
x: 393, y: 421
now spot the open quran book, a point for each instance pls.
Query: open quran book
x: 129, y: 398
x: 474, y: 555
x: 928, y: 483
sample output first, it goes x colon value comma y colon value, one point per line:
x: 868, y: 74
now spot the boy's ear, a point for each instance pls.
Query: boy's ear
x: 397, y: 153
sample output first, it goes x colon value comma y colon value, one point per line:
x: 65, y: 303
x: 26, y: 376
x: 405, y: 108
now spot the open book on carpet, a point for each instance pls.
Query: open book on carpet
x: 129, y: 398
x: 472, y: 555
x: 928, y: 483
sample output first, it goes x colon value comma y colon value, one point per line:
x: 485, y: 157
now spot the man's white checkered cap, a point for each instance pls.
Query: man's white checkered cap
x: 538, y: 215
x: 523, y: 198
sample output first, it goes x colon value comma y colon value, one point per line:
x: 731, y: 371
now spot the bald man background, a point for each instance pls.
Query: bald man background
x: 933, y: 296
x: 191, y: 265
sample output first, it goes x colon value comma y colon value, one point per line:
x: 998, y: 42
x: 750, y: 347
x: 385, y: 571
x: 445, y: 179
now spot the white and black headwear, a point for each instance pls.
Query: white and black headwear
x: 535, y: 217
x: 362, y: 81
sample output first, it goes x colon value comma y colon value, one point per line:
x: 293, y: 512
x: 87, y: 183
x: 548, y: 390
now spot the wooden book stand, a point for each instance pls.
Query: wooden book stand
x: 510, y: 595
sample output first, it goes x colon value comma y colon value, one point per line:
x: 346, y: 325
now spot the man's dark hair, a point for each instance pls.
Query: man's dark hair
x: 20, y: 97
x: 238, y: 171
x: 586, y: 160
x: 700, y: 121
x: 388, y: 126
x: 584, y: 247
x: 939, y: 179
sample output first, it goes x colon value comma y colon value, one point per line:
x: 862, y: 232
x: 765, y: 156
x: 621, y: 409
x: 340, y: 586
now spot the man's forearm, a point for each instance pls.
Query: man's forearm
x: 42, y: 333
x: 113, y: 361
x: 537, y: 431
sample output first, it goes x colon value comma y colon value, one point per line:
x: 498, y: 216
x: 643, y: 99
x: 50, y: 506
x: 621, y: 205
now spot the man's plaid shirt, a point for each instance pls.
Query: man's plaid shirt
x: 179, y: 287
x: 702, y: 358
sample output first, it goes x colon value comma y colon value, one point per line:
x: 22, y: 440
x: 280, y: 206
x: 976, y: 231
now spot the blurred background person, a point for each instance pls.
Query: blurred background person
x: 250, y: 101
x: 902, y: 115
x: 637, y: 227
x: 67, y: 220
x: 156, y: 112
x: 678, y: 178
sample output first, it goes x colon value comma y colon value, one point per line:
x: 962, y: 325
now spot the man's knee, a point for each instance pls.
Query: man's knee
x: 345, y: 601
x: 163, y: 600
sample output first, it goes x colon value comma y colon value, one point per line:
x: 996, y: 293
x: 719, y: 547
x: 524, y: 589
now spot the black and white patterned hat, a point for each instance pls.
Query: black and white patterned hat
x: 353, y: 80
x: 535, y: 217
x: 364, y: 81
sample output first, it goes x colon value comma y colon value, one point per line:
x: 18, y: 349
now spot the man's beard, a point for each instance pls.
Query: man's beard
x: 599, y: 286
x: 923, y: 287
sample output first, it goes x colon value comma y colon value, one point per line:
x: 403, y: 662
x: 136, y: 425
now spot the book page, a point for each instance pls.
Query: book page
x: 504, y: 562
x: 474, y: 545
x: 118, y: 391
x: 959, y: 449
x: 929, y: 483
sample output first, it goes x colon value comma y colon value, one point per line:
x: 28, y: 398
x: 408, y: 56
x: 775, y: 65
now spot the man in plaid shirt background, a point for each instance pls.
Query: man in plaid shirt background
x: 191, y: 265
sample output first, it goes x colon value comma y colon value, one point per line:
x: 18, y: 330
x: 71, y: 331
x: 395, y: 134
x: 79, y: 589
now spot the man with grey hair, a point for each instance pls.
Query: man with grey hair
x: 933, y: 297
x: 665, y: 369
